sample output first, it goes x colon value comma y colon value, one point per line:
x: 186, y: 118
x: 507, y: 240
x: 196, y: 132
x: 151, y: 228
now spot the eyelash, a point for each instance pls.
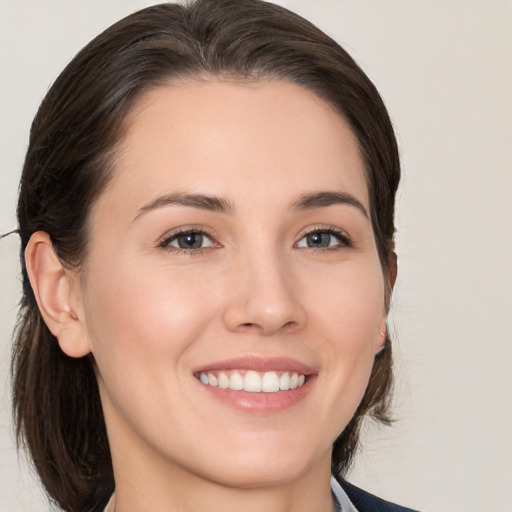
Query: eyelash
x: 343, y: 239
x: 164, y: 243
x: 169, y: 238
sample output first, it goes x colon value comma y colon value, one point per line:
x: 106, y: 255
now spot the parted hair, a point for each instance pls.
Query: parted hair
x: 70, y: 160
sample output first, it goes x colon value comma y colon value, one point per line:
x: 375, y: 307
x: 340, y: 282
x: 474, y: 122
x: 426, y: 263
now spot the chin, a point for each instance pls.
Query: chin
x: 252, y: 476
x: 266, y: 464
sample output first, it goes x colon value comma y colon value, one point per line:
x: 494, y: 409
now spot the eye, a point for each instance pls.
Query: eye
x: 190, y: 240
x: 324, y: 239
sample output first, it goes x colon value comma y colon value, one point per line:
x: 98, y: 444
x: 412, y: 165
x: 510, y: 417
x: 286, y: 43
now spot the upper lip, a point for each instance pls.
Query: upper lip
x: 259, y: 364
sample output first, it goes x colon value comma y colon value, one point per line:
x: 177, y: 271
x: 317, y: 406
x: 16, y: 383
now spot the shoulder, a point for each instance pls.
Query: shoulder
x: 366, y: 502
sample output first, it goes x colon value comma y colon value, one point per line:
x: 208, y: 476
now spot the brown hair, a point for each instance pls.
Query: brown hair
x: 68, y: 163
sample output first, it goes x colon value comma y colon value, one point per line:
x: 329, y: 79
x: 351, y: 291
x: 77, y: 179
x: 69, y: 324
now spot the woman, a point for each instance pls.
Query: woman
x: 206, y: 214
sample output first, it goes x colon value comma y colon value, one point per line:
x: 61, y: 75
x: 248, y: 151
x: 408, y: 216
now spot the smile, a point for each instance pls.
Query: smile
x: 252, y: 381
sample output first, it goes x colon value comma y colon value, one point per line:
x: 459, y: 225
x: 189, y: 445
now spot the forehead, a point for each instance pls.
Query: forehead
x: 242, y: 140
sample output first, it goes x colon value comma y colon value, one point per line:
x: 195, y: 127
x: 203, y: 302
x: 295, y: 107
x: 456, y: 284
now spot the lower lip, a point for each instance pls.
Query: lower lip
x: 260, y: 403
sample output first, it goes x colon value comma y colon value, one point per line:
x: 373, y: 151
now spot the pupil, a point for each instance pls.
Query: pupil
x: 190, y: 241
x: 319, y: 240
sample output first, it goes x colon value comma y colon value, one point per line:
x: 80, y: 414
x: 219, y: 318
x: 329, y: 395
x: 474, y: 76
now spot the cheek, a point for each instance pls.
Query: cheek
x: 349, y: 316
x: 142, y: 320
x: 350, y: 305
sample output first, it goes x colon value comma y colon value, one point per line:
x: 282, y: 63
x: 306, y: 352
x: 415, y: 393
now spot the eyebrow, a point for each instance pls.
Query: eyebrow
x: 322, y: 199
x: 201, y: 201
x: 219, y: 204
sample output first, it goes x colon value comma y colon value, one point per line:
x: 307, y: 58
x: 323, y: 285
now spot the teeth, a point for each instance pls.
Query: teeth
x: 253, y: 382
x: 284, y: 382
x: 270, y: 382
x: 236, y: 382
x: 223, y: 381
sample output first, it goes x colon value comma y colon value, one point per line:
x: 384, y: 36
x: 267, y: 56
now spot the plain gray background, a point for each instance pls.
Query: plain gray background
x: 444, y: 70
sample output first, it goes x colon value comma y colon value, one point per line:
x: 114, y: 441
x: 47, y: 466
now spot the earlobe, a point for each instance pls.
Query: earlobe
x: 381, y: 337
x: 392, y: 270
x: 390, y: 283
x: 53, y: 291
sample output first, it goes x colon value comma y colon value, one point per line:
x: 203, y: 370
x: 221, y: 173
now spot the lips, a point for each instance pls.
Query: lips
x: 255, y: 384
x: 259, y: 364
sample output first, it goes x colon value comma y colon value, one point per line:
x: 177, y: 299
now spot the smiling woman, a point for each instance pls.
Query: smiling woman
x: 206, y: 214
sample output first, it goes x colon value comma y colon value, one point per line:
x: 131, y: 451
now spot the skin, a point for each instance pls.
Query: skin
x: 151, y: 314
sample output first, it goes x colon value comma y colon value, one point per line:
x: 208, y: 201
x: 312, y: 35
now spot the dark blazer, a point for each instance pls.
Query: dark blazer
x: 366, y: 502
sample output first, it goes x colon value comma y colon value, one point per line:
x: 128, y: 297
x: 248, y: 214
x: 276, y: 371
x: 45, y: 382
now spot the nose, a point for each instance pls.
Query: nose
x: 265, y: 298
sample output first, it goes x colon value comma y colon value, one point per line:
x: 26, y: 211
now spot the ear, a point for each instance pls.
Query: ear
x: 390, y: 283
x: 56, y: 290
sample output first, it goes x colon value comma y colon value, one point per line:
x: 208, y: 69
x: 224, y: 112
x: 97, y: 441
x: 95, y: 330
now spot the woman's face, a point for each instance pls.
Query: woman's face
x: 232, y: 251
